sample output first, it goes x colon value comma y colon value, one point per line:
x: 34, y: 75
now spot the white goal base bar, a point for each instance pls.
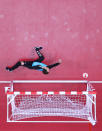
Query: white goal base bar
x: 53, y: 121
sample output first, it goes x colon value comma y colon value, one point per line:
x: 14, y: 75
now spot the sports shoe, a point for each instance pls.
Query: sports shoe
x: 38, y: 48
x: 8, y: 69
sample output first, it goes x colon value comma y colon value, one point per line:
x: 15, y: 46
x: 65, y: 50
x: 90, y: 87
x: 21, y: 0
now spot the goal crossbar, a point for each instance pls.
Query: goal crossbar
x: 52, y: 93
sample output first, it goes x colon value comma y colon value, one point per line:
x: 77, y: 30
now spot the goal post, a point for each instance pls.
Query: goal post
x: 29, y: 106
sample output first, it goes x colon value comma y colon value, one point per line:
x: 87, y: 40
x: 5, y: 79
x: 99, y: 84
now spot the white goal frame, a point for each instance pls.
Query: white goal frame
x: 10, y: 92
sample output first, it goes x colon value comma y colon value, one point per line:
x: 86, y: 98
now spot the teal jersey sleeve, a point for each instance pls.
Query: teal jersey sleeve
x: 38, y: 63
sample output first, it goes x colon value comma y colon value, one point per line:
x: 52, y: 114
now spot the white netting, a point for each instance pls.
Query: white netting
x: 27, y: 106
x: 23, y: 106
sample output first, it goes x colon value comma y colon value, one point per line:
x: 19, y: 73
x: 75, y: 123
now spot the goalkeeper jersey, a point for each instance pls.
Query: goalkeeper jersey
x: 37, y: 64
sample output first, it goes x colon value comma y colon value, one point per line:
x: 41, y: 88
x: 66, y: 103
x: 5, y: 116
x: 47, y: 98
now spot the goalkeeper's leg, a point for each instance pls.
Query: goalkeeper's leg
x: 19, y: 63
x: 41, y: 57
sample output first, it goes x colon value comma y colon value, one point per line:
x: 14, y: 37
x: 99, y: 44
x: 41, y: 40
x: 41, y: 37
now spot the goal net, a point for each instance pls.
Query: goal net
x: 21, y: 106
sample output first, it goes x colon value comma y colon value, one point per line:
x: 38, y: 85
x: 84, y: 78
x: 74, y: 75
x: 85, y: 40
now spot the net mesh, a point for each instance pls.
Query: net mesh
x: 26, y: 106
x: 29, y: 106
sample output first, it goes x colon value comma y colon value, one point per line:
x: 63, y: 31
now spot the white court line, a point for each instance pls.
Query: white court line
x: 2, y: 82
x: 50, y: 81
x: 97, y: 82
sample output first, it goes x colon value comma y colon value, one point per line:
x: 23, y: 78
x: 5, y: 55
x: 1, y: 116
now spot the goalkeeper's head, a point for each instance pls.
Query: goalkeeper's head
x: 45, y: 70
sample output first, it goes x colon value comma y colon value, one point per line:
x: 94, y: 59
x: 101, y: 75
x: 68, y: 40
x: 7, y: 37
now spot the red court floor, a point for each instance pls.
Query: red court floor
x: 70, y: 30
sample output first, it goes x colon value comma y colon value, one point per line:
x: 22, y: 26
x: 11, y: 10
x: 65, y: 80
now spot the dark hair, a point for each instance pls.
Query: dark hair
x: 45, y: 71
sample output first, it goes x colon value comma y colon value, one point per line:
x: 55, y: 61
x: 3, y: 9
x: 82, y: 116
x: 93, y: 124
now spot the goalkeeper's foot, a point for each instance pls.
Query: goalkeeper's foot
x: 8, y: 69
x: 38, y: 48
